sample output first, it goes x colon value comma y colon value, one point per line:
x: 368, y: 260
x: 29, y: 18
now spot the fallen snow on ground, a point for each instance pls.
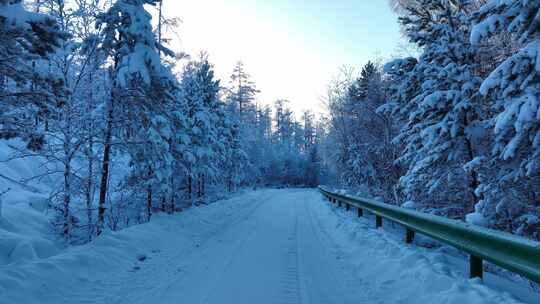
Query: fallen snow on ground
x: 25, y: 229
x: 268, y: 246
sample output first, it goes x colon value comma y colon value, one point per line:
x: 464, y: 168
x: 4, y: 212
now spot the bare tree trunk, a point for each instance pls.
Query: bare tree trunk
x: 203, y: 185
x: 105, y: 169
x: 173, y: 207
x: 474, y: 178
x: 163, y: 204
x: 474, y: 175
x: 67, y: 199
x: 67, y: 166
x: 89, y: 191
x: 160, y: 21
x: 199, y: 186
x: 189, y: 186
x: 149, y: 203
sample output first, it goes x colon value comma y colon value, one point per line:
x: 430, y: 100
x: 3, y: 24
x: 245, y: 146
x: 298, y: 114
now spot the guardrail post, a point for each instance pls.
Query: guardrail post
x: 339, y: 203
x: 347, y: 207
x: 378, y: 221
x: 360, y: 212
x: 476, y: 267
x: 409, y: 236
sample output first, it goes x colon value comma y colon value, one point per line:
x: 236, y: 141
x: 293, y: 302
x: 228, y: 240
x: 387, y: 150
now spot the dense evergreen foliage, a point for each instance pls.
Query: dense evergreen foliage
x: 455, y: 131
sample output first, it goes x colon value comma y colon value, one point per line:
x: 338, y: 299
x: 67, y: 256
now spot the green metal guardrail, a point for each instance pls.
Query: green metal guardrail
x: 511, y: 252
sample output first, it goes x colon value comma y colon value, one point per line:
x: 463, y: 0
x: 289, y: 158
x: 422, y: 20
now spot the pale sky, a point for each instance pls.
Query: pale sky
x: 292, y: 49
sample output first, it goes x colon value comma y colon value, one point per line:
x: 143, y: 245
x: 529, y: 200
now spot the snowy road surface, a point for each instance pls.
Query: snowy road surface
x: 269, y: 246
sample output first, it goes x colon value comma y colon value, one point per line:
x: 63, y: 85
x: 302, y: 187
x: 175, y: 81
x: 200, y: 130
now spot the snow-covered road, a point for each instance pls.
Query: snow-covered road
x: 270, y: 251
x: 269, y: 246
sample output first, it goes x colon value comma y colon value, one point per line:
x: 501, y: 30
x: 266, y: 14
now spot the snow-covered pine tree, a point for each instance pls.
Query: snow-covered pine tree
x: 308, y: 120
x: 241, y: 99
x: 262, y: 150
x: 235, y: 160
x: 179, y: 149
x: 243, y: 90
x: 27, y: 92
x: 437, y: 138
x: 364, y: 154
x: 515, y: 83
x: 510, y: 189
x: 371, y: 152
x: 284, y: 124
x: 200, y: 93
x: 403, y: 86
x: 142, y: 89
x: 312, y: 176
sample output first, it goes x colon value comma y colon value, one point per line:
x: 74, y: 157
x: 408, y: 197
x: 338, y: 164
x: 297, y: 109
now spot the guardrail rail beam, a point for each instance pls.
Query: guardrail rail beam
x: 511, y: 252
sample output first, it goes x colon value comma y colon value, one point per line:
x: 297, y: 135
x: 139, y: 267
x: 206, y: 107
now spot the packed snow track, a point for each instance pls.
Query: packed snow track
x: 268, y: 246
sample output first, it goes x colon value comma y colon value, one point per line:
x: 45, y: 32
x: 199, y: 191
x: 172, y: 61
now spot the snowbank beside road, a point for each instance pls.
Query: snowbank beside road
x: 118, y: 255
x: 25, y: 229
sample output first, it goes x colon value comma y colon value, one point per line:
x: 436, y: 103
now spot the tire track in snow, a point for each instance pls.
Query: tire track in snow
x: 230, y: 259
x: 176, y: 279
x: 290, y: 289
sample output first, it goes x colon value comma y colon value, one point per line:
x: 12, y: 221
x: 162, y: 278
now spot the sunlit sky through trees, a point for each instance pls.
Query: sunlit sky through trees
x: 291, y: 49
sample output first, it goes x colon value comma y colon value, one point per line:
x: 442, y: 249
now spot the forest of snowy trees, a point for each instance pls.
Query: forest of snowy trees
x: 455, y: 130
x: 128, y: 127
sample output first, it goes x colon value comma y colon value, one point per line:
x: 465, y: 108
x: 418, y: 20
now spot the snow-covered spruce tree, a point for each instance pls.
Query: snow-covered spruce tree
x: 142, y: 89
x: 179, y: 144
x: 439, y: 137
x: 26, y: 91
x: 284, y: 124
x: 234, y: 161
x: 310, y: 147
x: 284, y: 143
x: 511, y: 192
x: 403, y: 86
x: 241, y: 99
x: 263, y: 150
x: 371, y: 151
x: 313, y: 167
x: 199, y: 92
x: 243, y: 90
x: 292, y: 157
x: 308, y: 120
x: 362, y: 136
